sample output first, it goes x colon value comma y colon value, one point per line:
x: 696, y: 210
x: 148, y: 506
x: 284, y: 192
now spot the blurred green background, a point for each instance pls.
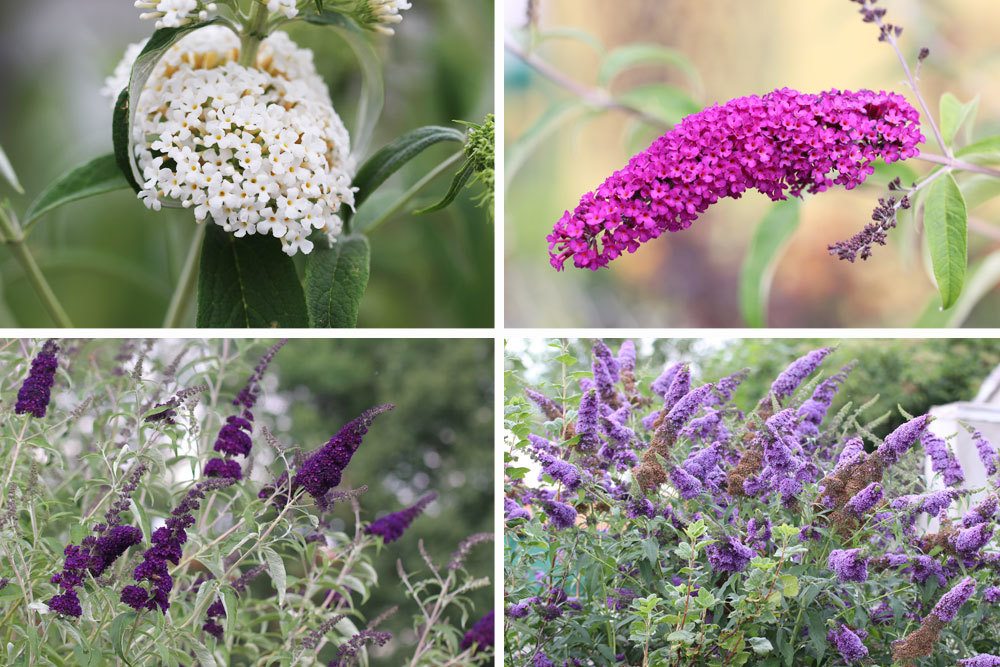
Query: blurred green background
x: 113, y: 263
x: 911, y: 373
x: 690, y: 279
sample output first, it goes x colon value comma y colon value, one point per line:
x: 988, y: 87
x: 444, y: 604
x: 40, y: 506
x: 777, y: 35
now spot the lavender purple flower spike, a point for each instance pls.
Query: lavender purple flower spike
x: 783, y: 143
x: 392, y: 526
x: 480, y: 635
x: 849, y: 643
x: 34, y: 395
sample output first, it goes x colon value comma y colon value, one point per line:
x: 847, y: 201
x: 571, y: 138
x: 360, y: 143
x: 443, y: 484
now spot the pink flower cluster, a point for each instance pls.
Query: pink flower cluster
x: 784, y: 143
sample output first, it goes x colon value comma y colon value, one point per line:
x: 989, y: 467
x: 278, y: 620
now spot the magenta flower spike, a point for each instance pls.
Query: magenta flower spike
x: 782, y: 144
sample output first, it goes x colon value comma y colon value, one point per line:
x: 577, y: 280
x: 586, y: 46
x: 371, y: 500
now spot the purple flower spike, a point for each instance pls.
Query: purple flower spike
x: 392, y: 526
x: 848, y: 564
x: 560, y: 471
x: 215, y: 610
x: 234, y: 437
x: 687, y: 485
x: 561, y: 515
x: 981, y: 660
x: 864, y: 500
x: 968, y: 541
x: 987, y: 453
x: 480, y: 634
x: 626, y: 356
x: 67, y: 604
x: 849, y: 643
x: 983, y: 512
x: 813, y: 411
x: 586, y: 422
x: 661, y: 385
x: 942, y: 459
x: 544, y: 403
x: 322, y: 470
x: 247, y: 397
x: 111, y: 545
x: 603, y: 352
x: 680, y: 386
x: 542, y: 660
x: 947, y: 607
x: 512, y: 510
x: 899, y: 441
x: 223, y: 468
x: 34, y: 395
x: 992, y: 594
x: 783, y: 143
x: 796, y: 373
x: 686, y: 407
x: 729, y: 555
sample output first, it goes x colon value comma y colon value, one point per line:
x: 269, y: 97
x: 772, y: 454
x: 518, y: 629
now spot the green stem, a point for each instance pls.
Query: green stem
x: 411, y: 193
x: 12, y: 235
x: 253, y: 34
x: 186, y: 282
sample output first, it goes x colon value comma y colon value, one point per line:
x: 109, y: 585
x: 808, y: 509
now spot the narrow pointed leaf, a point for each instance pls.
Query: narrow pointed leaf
x: 945, y: 220
x: 769, y: 240
x: 248, y: 282
x: 954, y: 114
x: 276, y: 568
x: 336, y: 279
x: 461, y: 178
x: 96, y: 177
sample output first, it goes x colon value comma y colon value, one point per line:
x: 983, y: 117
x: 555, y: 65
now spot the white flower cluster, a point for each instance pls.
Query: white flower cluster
x: 386, y: 14
x: 286, y: 7
x: 175, y: 13
x: 259, y: 150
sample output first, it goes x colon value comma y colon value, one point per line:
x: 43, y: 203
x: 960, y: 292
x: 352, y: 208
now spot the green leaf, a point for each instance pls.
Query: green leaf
x: 667, y: 103
x: 124, y: 112
x: 7, y: 171
x: 336, y: 278
x: 229, y: 601
x: 954, y: 114
x: 372, y: 97
x: 984, y: 150
x: 789, y: 585
x: 119, y: 626
x: 945, y: 221
x: 248, y: 282
x: 390, y: 158
x: 461, y: 178
x: 682, y: 636
x: 984, y: 276
x: 760, y: 645
x: 979, y: 189
x: 639, y: 55
x: 276, y: 568
x: 204, y: 656
x: 574, y: 34
x: 651, y: 550
x: 98, y: 176
x: 769, y: 240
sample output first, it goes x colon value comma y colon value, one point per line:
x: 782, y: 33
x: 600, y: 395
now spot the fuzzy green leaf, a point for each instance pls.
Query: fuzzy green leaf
x: 336, y: 279
x: 96, y: 177
x: 461, y: 178
x: 248, y: 282
x: 204, y: 656
x: 119, y: 626
x: 760, y: 645
x: 640, y: 55
x: 769, y: 241
x: 276, y: 568
x: 953, y: 114
x: 945, y: 219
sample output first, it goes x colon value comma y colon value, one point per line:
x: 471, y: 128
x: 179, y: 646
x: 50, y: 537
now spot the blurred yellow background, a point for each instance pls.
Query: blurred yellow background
x: 691, y: 278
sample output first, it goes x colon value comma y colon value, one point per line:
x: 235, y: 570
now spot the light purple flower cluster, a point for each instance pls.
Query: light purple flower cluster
x: 561, y: 515
x: 587, y: 422
x: 544, y: 403
x: 981, y: 660
x: 784, y: 467
x: 729, y: 554
x: 864, y: 500
x: 512, y: 510
x: 947, y: 607
x: 36, y: 391
x: 849, y: 642
x: 987, y: 453
x: 480, y: 635
x: 560, y: 470
x: 848, y: 564
x: 899, y: 441
x: 783, y: 143
x: 789, y: 380
x: 813, y: 411
x: 983, y: 512
x: 392, y: 526
x: 992, y: 594
x: 943, y: 460
x: 662, y: 383
x: 168, y: 543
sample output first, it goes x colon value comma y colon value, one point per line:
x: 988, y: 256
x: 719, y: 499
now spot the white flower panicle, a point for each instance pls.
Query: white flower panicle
x: 175, y: 13
x: 385, y: 13
x: 286, y: 7
x: 258, y: 150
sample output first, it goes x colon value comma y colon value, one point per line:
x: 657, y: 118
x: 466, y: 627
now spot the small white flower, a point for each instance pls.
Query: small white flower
x: 386, y: 14
x: 286, y: 7
x: 255, y: 151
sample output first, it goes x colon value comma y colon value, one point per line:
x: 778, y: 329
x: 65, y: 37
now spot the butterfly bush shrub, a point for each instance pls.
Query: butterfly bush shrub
x: 649, y: 521
x: 149, y: 515
x: 222, y: 113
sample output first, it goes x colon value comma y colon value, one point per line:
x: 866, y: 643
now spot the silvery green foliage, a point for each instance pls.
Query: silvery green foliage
x: 282, y: 584
x: 696, y: 570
